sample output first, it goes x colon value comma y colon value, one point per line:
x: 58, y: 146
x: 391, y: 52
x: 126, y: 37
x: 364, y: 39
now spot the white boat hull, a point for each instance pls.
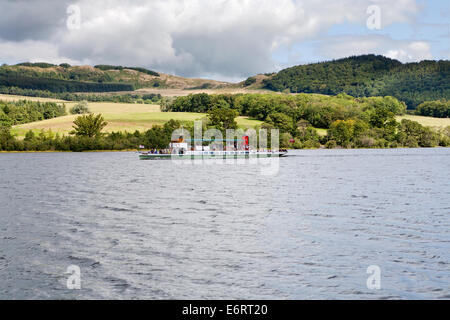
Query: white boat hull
x: 212, y: 155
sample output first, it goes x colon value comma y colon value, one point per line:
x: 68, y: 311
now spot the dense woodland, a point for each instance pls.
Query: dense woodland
x: 368, y: 75
x: 57, y: 85
x: 24, y: 111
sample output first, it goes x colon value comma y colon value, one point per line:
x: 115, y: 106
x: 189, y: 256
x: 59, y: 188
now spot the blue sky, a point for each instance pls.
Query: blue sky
x: 430, y: 24
x: 220, y: 39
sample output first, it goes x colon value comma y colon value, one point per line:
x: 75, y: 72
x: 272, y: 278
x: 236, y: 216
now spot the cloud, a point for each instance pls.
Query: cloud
x: 229, y: 38
x: 30, y: 20
x: 42, y: 51
x: 402, y: 50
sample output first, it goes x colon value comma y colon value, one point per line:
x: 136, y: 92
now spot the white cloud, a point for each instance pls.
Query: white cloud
x: 402, y: 50
x: 413, y: 51
x: 232, y: 38
x: 41, y: 51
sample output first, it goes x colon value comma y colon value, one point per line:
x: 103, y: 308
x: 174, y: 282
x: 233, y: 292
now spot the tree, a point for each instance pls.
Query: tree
x: 281, y: 121
x: 5, y: 136
x: 89, y: 126
x: 223, y: 118
x: 342, y: 131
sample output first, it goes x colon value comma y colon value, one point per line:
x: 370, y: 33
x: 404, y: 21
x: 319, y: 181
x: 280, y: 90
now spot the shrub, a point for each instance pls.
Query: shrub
x: 331, y: 144
x: 80, y: 108
x: 249, y: 81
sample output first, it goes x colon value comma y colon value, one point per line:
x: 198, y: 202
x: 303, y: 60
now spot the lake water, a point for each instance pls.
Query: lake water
x: 161, y: 230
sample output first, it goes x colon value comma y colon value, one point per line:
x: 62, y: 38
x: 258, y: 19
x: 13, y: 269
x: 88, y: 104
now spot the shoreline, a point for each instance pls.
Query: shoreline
x: 58, y: 151
x: 135, y: 150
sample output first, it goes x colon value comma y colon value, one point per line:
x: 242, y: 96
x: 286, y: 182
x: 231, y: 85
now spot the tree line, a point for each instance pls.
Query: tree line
x: 24, y: 111
x: 148, y: 98
x: 349, y: 122
x: 438, y: 109
x: 57, y: 85
x: 88, y: 136
x: 106, y: 67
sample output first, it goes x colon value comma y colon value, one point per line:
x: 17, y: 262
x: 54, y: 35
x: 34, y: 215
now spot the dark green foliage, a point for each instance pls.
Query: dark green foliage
x: 91, y: 97
x: 281, y: 121
x: 201, y: 102
x: 157, y: 137
x: 438, y: 109
x: 36, y: 64
x: 56, y: 85
x: 346, y: 132
x: 352, y: 122
x: 249, y: 81
x: 143, y: 70
x: 24, y: 111
x: 412, y: 134
x: 105, y: 67
x: 6, y: 138
x: 222, y: 117
x: 368, y: 75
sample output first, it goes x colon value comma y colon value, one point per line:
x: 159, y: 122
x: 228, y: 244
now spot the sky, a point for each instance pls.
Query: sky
x: 226, y: 40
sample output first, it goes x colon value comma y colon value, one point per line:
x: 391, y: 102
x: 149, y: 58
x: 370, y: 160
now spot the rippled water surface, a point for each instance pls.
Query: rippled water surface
x: 160, y: 230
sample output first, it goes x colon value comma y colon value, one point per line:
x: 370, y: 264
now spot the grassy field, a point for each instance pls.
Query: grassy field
x: 120, y: 117
x: 427, y: 121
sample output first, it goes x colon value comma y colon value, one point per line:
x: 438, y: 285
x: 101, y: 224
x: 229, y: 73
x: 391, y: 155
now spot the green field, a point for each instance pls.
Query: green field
x: 120, y: 117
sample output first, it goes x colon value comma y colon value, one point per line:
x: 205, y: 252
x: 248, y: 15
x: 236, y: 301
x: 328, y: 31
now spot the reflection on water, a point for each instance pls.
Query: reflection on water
x: 152, y: 229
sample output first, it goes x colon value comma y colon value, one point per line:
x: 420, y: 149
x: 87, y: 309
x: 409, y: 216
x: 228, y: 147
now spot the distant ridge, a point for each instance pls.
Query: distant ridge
x: 100, y: 78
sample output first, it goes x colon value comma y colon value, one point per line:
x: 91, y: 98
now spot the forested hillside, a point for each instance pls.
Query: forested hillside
x: 368, y: 75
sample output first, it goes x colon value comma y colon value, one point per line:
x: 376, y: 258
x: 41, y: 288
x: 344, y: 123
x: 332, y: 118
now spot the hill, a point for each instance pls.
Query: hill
x: 100, y: 78
x: 366, y: 76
